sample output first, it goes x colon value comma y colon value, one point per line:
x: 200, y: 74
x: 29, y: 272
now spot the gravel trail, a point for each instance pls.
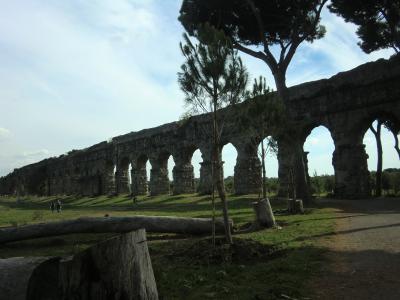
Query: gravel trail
x: 364, y: 253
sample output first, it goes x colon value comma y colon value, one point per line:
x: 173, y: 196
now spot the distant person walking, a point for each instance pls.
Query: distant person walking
x: 58, y: 205
x: 52, y: 206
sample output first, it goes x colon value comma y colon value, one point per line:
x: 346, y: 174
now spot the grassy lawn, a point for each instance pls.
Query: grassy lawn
x: 263, y: 265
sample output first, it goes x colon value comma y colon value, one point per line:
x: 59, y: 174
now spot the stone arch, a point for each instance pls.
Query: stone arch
x: 288, y: 145
x: 247, y: 170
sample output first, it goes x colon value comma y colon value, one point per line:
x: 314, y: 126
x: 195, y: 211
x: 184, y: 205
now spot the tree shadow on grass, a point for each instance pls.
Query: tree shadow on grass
x: 341, y: 232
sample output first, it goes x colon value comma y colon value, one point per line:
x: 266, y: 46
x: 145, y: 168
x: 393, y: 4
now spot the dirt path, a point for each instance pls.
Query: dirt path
x: 364, y: 254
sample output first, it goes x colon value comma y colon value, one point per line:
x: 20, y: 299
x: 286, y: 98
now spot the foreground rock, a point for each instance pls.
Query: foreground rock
x: 116, y: 269
x: 111, y: 224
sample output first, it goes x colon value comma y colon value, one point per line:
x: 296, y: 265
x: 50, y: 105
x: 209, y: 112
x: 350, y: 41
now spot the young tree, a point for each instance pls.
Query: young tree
x: 263, y: 113
x: 212, y: 77
x: 391, y: 126
x: 264, y: 24
x: 378, y: 22
x: 394, y: 128
x: 378, y: 178
x: 269, y: 114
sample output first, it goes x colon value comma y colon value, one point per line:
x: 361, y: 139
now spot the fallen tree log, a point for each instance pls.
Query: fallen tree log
x: 118, y: 268
x: 110, y: 225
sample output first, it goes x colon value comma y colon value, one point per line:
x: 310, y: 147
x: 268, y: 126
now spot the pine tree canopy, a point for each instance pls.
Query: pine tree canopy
x: 378, y: 22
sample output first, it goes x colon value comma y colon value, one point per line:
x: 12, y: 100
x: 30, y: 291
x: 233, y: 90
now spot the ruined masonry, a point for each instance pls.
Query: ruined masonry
x: 346, y: 104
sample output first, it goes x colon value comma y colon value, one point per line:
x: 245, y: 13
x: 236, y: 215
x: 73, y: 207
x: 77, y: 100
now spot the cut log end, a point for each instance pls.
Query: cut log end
x: 118, y: 268
x: 295, y: 206
x: 264, y: 214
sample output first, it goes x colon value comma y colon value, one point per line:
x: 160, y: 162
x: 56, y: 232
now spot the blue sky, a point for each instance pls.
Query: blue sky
x: 74, y: 73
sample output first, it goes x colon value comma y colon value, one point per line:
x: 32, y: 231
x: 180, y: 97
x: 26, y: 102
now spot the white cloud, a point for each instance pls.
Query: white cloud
x: 74, y: 73
x: 340, y: 45
x: 4, y: 133
x: 35, y: 153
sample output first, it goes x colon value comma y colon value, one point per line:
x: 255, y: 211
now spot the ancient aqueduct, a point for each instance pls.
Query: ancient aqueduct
x: 346, y: 104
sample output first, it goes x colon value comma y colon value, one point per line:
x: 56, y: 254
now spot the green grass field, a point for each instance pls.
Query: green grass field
x: 265, y: 264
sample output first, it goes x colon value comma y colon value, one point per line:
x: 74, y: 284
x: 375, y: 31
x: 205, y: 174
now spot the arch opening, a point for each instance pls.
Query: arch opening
x: 196, y: 162
x: 271, y: 164
x: 229, y: 156
x: 383, y: 156
x: 130, y: 177
x: 318, y: 151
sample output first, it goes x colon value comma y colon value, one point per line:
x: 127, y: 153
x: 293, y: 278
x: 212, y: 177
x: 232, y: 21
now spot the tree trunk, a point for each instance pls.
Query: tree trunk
x: 264, y: 214
x: 111, y: 224
x: 118, y: 268
x: 377, y: 134
x: 280, y: 83
x: 396, y: 143
x: 264, y: 175
x: 219, y: 180
x: 301, y: 183
x: 213, y: 201
x: 295, y: 206
x: 222, y: 196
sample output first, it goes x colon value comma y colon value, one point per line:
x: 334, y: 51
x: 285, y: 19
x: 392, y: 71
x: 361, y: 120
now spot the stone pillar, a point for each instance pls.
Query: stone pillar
x: 183, y: 173
x: 247, y: 178
x: 74, y: 181
x: 108, y: 179
x: 67, y: 183
x: 205, y: 182
x: 291, y: 156
x: 122, y: 180
x: 351, y: 171
x: 87, y: 185
x: 53, y: 185
x: 159, y: 181
x: 96, y: 184
x: 139, y: 179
